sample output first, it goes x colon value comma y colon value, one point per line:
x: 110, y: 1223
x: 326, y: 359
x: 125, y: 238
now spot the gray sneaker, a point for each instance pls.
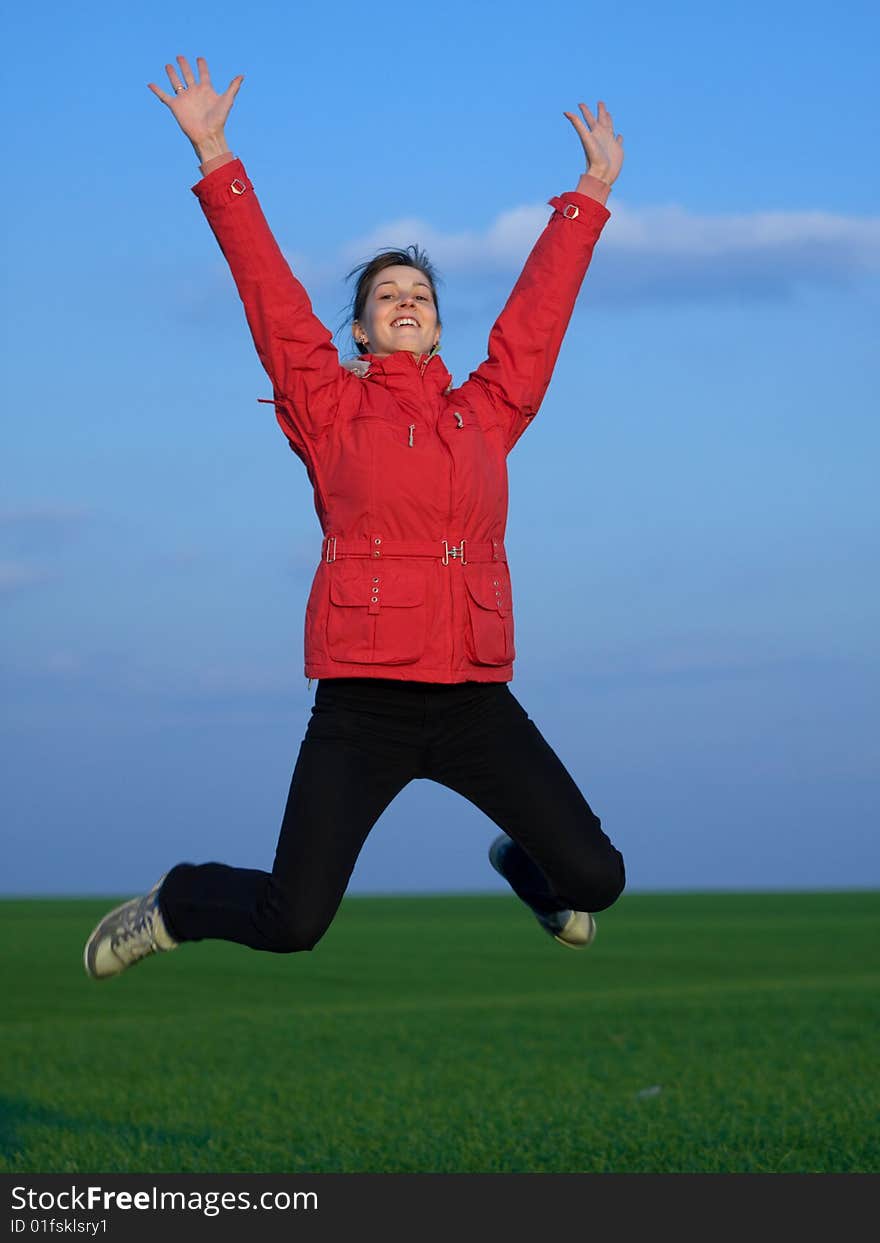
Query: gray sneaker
x: 575, y: 929
x: 127, y: 934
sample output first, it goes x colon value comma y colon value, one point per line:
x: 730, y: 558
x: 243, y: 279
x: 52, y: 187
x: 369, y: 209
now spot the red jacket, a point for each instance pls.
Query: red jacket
x: 409, y: 473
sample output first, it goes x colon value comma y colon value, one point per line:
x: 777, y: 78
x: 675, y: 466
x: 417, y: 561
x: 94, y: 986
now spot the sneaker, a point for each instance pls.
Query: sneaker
x: 572, y: 928
x: 129, y: 933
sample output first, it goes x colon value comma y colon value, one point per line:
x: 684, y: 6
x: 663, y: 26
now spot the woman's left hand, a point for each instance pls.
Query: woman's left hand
x: 603, y: 150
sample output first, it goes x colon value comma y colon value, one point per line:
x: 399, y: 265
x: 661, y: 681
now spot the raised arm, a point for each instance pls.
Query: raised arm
x: 525, y: 340
x: 294, y: 347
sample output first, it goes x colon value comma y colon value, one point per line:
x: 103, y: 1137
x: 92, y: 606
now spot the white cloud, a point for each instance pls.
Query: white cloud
x: 502, y: 245
x: 647, y: 253
x: 673, y: 230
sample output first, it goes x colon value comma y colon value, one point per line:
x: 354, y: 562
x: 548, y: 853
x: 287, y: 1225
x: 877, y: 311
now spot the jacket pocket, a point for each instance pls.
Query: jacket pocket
x: 489, y: 635
x: 377, y: 614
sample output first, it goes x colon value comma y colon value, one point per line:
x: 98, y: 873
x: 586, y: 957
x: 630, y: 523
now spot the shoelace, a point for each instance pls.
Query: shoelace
x: 139, y: 923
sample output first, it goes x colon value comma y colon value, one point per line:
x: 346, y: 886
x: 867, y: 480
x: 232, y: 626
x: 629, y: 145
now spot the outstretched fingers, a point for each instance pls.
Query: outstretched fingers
x: 189, y: 78
x: 587, y: 124
x: 603, y: 118
x: 588, y: 139
x: 232, y: 88
x: 173, y: 77
x: 190, y: 81
x: 160, y: 94
x: 188, y: 75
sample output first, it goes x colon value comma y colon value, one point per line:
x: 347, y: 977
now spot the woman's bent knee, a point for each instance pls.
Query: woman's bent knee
x: 599, y: 883
x: 609, y: 887
x: 294, y: 937
x: 287, y: 943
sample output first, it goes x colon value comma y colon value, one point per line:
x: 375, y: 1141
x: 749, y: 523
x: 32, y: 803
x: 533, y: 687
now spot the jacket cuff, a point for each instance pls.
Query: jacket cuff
x: 224, y: 183
x: 580, y: 207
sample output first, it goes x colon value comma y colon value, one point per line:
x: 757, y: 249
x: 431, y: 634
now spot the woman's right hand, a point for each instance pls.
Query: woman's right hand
x: 199, y: 111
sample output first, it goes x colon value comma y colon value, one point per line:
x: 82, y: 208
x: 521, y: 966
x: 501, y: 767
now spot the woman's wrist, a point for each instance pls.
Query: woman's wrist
x: 210, y: 147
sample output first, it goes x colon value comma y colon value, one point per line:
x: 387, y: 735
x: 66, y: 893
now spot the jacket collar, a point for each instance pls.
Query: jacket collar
x: 404, y: 370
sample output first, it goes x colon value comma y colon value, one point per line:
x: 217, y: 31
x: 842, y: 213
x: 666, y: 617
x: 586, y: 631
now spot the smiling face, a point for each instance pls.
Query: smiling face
x: 399, y: 313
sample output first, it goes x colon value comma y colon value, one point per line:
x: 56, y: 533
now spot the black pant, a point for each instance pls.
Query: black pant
x: 368, y: 738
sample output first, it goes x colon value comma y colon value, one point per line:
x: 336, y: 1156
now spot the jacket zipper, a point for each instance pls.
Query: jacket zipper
x: 452, y: 533
x: 422, y: 367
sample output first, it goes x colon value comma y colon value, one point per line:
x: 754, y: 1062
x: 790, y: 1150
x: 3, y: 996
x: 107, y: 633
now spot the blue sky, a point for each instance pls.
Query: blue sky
x: 693, y: 522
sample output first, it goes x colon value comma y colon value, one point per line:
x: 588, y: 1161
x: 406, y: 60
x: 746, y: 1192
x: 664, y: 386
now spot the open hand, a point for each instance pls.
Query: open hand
x: 200, y: 112
x: 603, y: 150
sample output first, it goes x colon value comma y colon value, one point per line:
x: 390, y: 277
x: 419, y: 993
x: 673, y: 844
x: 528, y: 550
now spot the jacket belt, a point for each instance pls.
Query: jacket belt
x: 375, y: 546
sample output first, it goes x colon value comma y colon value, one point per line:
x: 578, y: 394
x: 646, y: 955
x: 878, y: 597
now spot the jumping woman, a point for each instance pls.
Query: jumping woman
x: 409, y: 622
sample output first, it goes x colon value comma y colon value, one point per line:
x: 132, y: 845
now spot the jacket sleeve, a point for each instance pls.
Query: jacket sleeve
x: 294, y: 347
x: 525, y: 341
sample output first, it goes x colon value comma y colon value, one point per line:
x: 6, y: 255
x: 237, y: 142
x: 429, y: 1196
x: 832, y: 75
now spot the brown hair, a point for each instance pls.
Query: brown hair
x: 410, y: 256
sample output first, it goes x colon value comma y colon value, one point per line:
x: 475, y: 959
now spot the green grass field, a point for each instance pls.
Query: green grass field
x: 716, y: 1033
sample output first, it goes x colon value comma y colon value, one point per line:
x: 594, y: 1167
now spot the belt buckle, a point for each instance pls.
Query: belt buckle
x: 331, y: 539
x: 454, y: 551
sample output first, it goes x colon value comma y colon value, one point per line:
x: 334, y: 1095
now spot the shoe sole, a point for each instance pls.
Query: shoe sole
x: 579, y: 945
